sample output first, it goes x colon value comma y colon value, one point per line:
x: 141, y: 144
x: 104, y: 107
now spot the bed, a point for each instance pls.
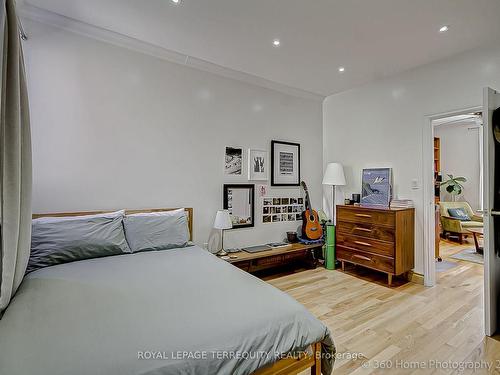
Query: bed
x: 178, y: 311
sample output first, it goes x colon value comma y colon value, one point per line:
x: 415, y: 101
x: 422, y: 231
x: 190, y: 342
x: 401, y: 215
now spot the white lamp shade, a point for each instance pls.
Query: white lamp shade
x: 223, y: 220
x: 334, y: 175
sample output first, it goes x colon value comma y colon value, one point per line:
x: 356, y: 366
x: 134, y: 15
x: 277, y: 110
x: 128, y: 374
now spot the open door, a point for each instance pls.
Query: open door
x: 491, y: 181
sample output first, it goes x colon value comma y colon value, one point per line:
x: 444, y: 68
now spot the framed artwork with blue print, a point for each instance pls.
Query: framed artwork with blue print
x: 376, y: 188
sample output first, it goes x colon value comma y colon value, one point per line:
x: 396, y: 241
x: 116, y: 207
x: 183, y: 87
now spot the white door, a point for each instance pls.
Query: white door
x: 491, y: 101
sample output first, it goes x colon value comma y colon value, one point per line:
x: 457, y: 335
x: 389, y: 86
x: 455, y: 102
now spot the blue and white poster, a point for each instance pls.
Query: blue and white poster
x: 376, y: 187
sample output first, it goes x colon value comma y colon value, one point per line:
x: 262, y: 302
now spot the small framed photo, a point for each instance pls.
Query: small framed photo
x: 257, y: 165
x: 285, y: 163
x: 233, y: 161
x: 268, y: 202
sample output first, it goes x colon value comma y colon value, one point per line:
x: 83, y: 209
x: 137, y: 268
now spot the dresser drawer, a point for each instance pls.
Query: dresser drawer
x: 366, y: 244
x: 376, y: 262
x: 366, y: 230
x: 364, y: 215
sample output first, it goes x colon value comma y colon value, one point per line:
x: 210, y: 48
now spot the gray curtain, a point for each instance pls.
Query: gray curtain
x: 15, y: 160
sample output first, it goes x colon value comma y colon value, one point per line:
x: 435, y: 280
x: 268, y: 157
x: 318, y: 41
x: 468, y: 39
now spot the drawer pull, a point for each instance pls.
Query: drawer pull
x: 361, y: 257
x: 363, y: 229
x: 363, y: 243
x: 363, y: 215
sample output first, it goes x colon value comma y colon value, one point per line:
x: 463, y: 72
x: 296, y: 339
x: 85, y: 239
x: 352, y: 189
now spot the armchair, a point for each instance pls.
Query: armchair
x: 455, y: 226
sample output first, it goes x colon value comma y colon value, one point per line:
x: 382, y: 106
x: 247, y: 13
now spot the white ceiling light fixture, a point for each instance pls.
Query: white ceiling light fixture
x: 341, y: 69
x: 175, y: 1
x: 276, y: 42
x: 444, y: 29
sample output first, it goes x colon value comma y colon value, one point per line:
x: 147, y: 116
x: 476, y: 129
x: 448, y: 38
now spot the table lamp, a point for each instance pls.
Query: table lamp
x: 222, y: 222
x: 334, y: 176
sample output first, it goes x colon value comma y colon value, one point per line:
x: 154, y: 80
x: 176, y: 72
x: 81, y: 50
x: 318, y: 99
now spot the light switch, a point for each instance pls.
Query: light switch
x: 414, y: 184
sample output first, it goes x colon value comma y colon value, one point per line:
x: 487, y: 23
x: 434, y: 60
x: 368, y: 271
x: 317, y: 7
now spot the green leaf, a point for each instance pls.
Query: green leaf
x: 461, y: 179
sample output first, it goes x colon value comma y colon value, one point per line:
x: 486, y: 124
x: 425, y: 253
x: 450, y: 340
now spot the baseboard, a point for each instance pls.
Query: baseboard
x: 416, y: 278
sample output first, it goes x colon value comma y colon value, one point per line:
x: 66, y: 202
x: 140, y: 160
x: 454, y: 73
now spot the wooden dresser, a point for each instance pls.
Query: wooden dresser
x: 378, y: 238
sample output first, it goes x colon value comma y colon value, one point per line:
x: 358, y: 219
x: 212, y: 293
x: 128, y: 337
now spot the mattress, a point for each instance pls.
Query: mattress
x: 179, y: 311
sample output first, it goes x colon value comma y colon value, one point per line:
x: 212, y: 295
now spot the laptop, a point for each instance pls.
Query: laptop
x: 257, y: 249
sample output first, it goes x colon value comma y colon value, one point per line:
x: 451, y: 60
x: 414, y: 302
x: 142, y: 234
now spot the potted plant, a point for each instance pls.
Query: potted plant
x: 454, y: 186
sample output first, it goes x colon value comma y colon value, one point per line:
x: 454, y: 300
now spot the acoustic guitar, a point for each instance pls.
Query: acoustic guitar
x: 311, y: 227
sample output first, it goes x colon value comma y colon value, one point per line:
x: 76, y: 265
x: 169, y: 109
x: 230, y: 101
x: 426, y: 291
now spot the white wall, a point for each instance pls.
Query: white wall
x: 381, y: 124
x: 460, y: 157
x: 114, y: 128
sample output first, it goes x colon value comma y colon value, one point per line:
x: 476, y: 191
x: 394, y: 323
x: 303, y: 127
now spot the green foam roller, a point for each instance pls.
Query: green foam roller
x: 330, y: 247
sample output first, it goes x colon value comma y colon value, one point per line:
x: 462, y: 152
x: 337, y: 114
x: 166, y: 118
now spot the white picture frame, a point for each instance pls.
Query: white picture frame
x: 258, y: 165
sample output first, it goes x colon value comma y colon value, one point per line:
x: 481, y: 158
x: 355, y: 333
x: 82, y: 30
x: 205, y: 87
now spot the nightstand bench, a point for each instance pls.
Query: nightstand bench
x: 297, y: 252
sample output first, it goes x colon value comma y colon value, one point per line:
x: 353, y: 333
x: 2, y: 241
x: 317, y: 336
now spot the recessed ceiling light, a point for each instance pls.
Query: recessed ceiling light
x: 444, y: 29
x: 341, y: 69
x: 176, y: 1
x: 276, y: 42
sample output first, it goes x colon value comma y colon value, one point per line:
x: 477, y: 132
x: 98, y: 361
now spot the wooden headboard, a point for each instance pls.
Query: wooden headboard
x: 188, y: 210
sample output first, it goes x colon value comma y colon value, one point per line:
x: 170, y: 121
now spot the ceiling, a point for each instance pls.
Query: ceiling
x: 370, y: 38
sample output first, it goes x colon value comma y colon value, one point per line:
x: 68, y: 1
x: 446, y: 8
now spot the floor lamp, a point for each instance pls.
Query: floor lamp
x: 334, y: 176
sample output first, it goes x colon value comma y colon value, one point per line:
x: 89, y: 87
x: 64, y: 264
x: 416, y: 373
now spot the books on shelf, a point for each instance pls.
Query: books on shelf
x: 402, y: 203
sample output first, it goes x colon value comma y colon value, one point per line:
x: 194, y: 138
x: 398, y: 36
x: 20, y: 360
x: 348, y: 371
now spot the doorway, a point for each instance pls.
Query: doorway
x: 454, y: 125
x: 458, y: 194
x: 491, y: 201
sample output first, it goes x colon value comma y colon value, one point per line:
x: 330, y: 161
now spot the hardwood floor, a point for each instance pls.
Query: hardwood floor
x: 405, y: 325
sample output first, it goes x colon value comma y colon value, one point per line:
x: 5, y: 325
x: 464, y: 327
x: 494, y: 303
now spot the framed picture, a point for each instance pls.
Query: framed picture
x: 285, y: 163
x: 238, y: 199
x: 233, y: 161
x: 376, y: 187
x: 257, y: 165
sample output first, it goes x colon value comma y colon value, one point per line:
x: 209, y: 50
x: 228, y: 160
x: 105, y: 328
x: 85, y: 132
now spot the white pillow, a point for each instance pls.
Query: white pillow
x: 156, y: 230
x: 160, y: 213
x: 53, y: 219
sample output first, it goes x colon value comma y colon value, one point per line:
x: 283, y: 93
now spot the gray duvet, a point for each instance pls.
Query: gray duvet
x: 180, y: 311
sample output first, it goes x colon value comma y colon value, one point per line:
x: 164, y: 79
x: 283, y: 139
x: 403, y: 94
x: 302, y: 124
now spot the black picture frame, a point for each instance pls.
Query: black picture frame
x: 225, y: 201
x: 274, y: 181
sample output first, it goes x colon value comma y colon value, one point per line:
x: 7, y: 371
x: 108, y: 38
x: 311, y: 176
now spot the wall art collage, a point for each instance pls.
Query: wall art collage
x: 282, y: 209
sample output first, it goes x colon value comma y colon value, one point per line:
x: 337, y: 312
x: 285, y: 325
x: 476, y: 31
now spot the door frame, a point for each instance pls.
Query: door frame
x: 428, y: 190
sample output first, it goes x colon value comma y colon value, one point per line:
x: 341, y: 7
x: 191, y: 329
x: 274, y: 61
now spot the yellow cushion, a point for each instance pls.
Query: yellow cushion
x: 471, y: 224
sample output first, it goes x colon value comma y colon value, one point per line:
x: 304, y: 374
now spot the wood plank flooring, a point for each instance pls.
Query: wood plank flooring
x: 407, y: 325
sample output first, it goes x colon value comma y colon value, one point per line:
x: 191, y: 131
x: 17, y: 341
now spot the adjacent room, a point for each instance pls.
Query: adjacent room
x: 458, y: 184
x: 249, y: 187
